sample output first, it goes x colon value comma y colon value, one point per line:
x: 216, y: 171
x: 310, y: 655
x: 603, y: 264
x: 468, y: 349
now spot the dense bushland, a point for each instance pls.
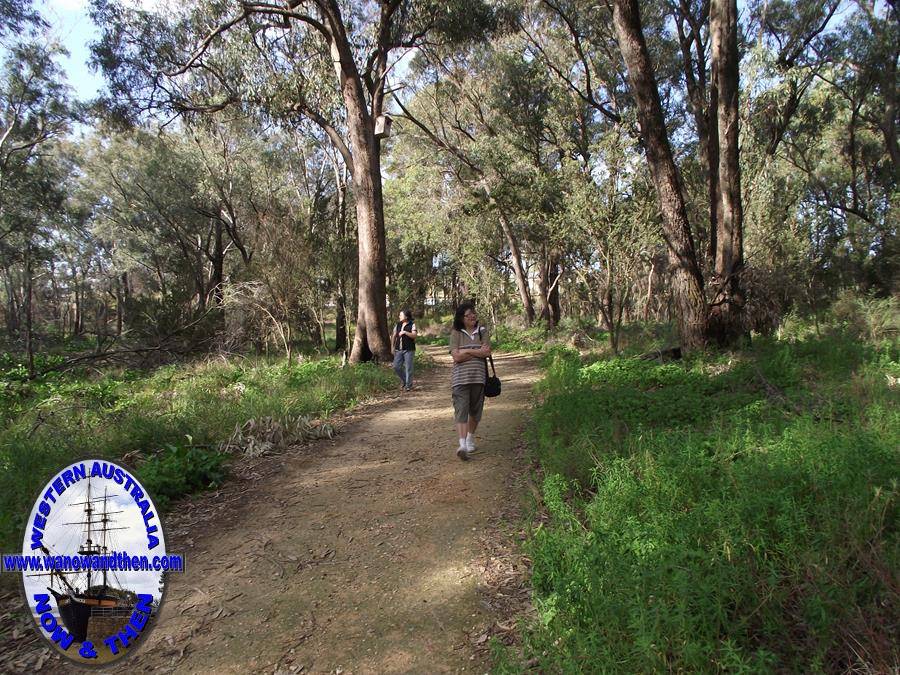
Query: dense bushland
x: 734, y: 512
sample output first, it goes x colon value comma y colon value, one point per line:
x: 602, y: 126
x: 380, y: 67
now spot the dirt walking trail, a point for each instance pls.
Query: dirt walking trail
x: 360, y: 554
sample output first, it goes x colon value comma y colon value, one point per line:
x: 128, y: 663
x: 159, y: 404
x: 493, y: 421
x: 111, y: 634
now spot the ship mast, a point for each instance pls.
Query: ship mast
x: 88, y: 509
x: 105, y: 522
x: 89, y: 548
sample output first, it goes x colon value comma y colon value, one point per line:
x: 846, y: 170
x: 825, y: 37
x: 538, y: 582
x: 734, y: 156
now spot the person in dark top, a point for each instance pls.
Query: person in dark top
x: 404, y: 345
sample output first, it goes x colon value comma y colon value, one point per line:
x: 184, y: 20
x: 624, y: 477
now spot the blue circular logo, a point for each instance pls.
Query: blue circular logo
x: 94, y: 563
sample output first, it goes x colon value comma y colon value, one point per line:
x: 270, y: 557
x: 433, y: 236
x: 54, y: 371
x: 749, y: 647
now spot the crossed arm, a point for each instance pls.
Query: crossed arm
x: 463, y: 355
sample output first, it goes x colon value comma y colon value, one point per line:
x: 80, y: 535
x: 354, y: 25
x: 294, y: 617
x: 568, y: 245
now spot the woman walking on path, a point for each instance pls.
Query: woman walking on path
x: 404, y: 343
x: 470, y: 345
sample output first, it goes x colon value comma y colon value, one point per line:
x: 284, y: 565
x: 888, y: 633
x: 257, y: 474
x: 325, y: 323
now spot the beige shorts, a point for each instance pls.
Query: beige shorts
x: 468, y: 399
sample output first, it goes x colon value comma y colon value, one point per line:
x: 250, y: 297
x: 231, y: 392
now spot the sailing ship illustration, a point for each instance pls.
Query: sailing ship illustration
x: 77, y: 595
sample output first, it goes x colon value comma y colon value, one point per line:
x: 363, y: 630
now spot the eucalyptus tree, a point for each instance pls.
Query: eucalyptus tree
x: 583, y: 44
x: 34, y: 113
x: 486, y: 111
x: 149, y: 206
x: 821, y: 125
x: 679, y: 94
x: 869, y: 59
x: 208, y: 56
x: 27, y: 244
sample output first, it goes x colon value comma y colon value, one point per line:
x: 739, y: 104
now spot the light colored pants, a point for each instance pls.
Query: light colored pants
x: 403, y: 366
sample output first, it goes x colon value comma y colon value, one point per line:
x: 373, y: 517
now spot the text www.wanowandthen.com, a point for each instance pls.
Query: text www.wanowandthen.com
x: 112, y: 562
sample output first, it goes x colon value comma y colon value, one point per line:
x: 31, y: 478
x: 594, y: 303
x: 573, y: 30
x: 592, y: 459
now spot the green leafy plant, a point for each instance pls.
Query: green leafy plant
x: 733, y: 512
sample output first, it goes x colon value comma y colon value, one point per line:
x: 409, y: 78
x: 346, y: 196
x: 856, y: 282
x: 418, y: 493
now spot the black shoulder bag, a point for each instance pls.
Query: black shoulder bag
x: 491, y: 382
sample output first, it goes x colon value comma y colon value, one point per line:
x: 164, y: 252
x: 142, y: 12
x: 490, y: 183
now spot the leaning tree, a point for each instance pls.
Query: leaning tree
x: 325, y: 60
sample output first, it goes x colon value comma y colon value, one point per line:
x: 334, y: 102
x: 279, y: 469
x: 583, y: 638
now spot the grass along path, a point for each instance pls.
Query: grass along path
x: 359, y: 555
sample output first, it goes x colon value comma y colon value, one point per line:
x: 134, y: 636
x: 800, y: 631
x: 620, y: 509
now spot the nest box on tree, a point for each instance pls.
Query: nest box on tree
x: 383, y: 126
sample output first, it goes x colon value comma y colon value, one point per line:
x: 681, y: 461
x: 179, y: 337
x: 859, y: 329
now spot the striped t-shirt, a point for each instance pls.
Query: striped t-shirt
x: 473, y: 370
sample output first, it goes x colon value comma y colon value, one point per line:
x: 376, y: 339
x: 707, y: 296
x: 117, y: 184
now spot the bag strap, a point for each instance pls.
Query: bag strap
x: 489, y: 358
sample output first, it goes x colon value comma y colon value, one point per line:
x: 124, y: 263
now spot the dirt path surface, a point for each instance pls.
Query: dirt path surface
x: 362, y: 555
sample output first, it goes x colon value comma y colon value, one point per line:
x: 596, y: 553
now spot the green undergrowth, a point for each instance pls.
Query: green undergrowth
x: 503, y: 338
x: 506, y: 339
x: 733, y: 512
x: 168, y: 423
x: 440, y: 340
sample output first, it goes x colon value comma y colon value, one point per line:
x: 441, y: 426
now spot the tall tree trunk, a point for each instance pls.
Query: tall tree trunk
x: 12, y: 304
x: 217, y: 260
x: 548, y: 288
x: 649, y: 292
x: 29, y: 312
x: 121, y: 294
x: 77, y: 328
x: 703, y: 109
x: 119, y: 312
x: 78, y: 319
x: 454, y: 289
x: 553, y: 295
x: 607, y: 312
x: 544, y: 282
x: 687, y: 282
x: 101, y: 321
x: 341, y: 329
x: 57, y: 300
x: 340, y: 323
x: 712, y: 168
x: 371, y: 339
x: 726, y: 312
x: 518, y: 270
x: 889, y: 124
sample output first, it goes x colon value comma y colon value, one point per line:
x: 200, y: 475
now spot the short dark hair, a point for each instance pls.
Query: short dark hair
x: 460, y: 311
x: 407, y: 314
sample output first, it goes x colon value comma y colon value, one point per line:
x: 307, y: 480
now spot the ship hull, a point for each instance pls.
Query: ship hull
x: 75, y: 611
x: 75, y: 616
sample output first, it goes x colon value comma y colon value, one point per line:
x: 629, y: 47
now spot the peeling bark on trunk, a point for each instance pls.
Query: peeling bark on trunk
x: 687, y: 281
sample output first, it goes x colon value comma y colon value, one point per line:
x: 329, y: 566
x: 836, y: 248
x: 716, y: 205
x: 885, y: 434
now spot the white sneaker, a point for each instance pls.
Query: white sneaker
x: 470, y: 446
x: 462, y: 453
